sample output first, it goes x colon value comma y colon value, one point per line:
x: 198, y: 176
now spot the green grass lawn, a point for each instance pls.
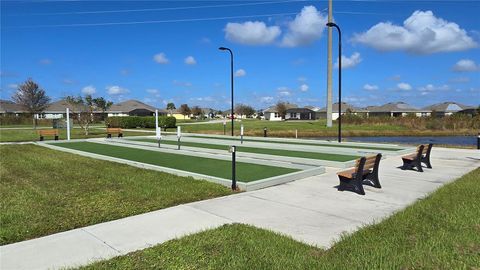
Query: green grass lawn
x: 275, y: 152
x: 20, y: 135
x: 439, y: 232
x: 246, y: 172
x: 44, y: 191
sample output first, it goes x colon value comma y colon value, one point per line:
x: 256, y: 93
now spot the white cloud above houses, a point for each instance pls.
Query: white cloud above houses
x: 284, y: 91
x: 89, y: 90
x: 115, y: 90
x: 304, y: 87
x: 307, y: 27
x: 161, y: 58
x: 421, y: 33
x: 370, y: 87
x: 251, y: 33
x: 190, y: 60
x: 404, y: 86
x: 350, y: 62
x: 240, y: 73
x: 466, y: 65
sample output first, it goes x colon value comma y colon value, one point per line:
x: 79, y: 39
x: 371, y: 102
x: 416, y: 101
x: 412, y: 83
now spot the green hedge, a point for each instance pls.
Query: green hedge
x: 140, y: 121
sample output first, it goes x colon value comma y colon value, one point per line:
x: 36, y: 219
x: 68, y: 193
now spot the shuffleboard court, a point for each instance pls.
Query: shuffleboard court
x: 266, y: 151
x: 246, y: 172
x: 389, y: 148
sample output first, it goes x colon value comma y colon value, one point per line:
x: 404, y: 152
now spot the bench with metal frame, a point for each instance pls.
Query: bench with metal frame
x: 111, y: 131
x: 415, y: 160
x: 48, y: 132
x: 365, y: 172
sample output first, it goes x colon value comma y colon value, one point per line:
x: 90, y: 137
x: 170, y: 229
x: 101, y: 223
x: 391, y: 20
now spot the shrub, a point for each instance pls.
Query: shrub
x: 140, y: 121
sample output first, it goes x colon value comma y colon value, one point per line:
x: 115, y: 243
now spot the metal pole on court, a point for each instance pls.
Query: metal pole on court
x: 234, y: 179
x: 179, y: 134
x: 231, y: 81
x: 224, y: 127
x: 68, y: 124
x: 156, y: 124
x: 331, y: 24
x: 159, y: 136
x: 241, y: 134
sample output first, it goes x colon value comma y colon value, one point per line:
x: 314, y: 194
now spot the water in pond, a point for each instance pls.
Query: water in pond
x: 451, y: 140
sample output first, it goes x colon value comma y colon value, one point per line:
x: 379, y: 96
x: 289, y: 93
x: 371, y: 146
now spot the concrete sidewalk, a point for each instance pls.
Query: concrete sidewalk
x: 309, y: 210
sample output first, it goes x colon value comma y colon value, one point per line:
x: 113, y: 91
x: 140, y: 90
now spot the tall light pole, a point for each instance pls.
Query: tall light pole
x: 331, y: 24
x: 329, y: 67
x: 231, y: 78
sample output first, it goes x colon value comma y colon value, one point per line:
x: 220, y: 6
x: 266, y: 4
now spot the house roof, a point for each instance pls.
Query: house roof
x: 345, y: 107
x: 313, y: 108
x: 394, y: 107
x: 448, y: 106
x: 60, y: 106
x: 132, y: 104
x: 299, y: 110
x: 273, y: 109
x: 7, y: 106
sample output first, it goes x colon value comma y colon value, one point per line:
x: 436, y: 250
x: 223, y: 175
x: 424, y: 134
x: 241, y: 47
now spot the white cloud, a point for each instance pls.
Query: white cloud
x: 284, y: 91
x: 266, y: 99
x: 466, y: 65
x: 302, y: 79
x: 116, y: 90
x: 370, y: 87
x: 305, y: 28
x: 152, y: 91
x: 161, y: 58
x: 89, y: 90
x: 12, y: 86
x: 304, y: 87
x: 68, y: 81
x: 421, y: 33
x: 240, y: 73
x: 404, y: 86
x: 460, y: 80
x: 431, y: 87
x: 349, y: 62
x: 251, y: 33
x: 190, y: 60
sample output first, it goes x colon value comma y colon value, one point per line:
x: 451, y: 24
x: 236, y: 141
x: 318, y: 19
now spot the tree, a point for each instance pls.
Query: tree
x: 32, y: 97
x: 281, y: 109
x: 171, y: 107
x: 84, y: 107
x: 242, y: 109
x: 184, y: 110
x: 197, y: 111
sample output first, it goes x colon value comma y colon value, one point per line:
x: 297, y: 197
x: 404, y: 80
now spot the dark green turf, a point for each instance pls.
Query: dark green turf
x: 302, y: 143
x: 275, y: 152
x: 246, y: 172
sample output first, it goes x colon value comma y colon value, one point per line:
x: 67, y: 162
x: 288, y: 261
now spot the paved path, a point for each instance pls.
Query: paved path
x: 309, y: 210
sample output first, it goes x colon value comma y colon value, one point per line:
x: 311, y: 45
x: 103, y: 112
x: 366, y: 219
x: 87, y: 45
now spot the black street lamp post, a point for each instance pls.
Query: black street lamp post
x: 231, y: 79
x: 331, y: 24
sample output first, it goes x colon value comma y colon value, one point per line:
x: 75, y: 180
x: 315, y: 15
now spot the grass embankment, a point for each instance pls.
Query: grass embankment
x: 45, y: 191
x: 439, y: 232
x: 265, y: 151
x: 246, y: 172
x: 22, y: 135
x: 318, y: 128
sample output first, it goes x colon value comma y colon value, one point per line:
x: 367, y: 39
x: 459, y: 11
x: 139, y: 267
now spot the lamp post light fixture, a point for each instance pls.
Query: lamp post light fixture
x: 331, y: 24
x: 231, y: 79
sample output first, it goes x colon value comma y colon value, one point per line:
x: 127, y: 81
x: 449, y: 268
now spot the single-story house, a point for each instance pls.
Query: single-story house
x: 447, y: 108
x: 272, y: 114
x: 396, y: 109
x: 299, y: 114
x: 11, y: 108
x: 133, y: 108
x: 345, y: 108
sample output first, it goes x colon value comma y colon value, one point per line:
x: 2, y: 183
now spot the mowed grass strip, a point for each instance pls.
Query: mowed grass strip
x: 439, y: 232
x: 245, y: 172
x: 266, y: 151
x: 313, y: 143
x: 43, y: 191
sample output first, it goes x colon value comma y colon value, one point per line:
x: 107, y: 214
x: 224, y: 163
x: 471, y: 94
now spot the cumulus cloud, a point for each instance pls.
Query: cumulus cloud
x: 404, y: 86
x: 161, y: 58
x: 190, y: 60
x: 89, y: 90
x: 421, y: 33
x: 431, y: 87
x: 304, y: 87
x: 349, y: 62
x: 370, y: 87
x: 466, y: 65
x: 240, y: 73
x: 266, y: 99
x: 251, y: 33
x: 284, y: 91
x: 305, y: 28
x: 114, y: 90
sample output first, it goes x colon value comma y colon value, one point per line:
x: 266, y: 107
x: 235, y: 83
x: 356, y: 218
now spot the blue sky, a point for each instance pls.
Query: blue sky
x: 420, y: 52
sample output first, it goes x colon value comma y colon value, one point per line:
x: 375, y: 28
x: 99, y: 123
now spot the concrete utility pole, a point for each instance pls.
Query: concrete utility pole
x: 329, y: 68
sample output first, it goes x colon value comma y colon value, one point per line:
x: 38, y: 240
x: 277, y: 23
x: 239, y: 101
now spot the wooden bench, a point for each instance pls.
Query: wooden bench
x: 415, y: 160
x: 365, y: 172
x: 111, y: 131
x: 48, y: 132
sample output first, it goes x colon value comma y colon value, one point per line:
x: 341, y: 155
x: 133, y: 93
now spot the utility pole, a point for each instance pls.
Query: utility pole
x: 329, y: 68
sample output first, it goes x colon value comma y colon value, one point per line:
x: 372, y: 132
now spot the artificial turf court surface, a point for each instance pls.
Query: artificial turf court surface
x: 275, y: 152
x: 304, y: 143
x: 246, y: 172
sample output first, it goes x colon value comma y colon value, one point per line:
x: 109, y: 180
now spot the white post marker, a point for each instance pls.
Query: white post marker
x: 179, y: 134
x: 241, y: 134
x: 157, y: 133
x: 68, y: 124
x: 296, y: 133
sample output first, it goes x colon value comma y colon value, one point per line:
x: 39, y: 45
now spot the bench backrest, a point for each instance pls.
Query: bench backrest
x: 114, y: 130
x: 367, y: 163
x: 420, y: 150
x: 48, y: 132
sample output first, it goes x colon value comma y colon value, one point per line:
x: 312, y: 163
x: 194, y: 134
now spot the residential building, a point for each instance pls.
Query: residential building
x: 299, y: 114
x: 396, y: 109
x: 271, y: 113
x: 345, y: 108
x: 133, y: 108
x: 447, y: 108
x: 11, y: 108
